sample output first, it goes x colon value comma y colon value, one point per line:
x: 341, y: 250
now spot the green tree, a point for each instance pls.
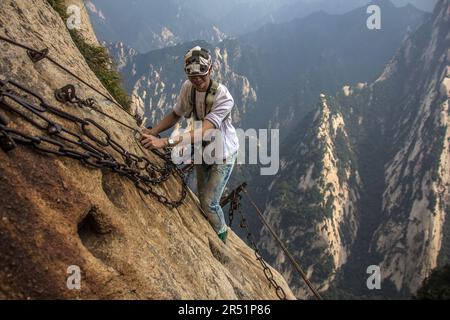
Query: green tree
x: 98, y: 59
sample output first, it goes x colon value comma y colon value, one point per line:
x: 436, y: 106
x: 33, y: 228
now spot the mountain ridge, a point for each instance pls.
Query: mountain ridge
x: 398, y: 129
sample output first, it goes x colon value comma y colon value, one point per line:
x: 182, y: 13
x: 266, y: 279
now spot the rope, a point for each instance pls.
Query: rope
x: 283, y: 247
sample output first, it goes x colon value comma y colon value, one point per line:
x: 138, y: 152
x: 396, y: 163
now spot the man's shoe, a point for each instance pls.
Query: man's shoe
x: 223, y: 236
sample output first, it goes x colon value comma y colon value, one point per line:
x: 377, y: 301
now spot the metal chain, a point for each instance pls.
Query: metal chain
x: 235, y: 205
x: 90, y: 145
x: 234, y: 198
x: 36, y: 56
x: 283, y: 247
x: 67, y: 94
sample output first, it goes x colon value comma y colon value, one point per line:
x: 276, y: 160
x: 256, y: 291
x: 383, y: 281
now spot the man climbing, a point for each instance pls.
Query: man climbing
x: 211, y: 103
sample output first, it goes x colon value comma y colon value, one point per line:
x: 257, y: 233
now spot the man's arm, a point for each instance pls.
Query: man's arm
x: 168, y: 122
x: 152, y: 142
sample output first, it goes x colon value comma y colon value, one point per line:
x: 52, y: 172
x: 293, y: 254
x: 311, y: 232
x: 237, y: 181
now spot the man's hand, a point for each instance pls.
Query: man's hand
x: 152, y: 142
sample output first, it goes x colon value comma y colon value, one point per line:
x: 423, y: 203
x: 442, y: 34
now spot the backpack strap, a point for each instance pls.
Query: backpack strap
x: 192, y: 104
x: 210, y: 97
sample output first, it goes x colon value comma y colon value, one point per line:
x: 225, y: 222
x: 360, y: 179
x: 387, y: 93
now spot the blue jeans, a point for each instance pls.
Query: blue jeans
x: 211, y: 181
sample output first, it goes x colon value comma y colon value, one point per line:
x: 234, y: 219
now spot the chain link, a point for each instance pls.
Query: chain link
x: 235, y: 205
x: 90, y: 145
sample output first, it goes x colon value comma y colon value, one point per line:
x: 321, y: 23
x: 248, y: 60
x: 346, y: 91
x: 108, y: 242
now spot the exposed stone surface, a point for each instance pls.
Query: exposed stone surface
x: 325, y: 198
x: 419, y: 173
x: 56, y: 212
x: 376, y: 158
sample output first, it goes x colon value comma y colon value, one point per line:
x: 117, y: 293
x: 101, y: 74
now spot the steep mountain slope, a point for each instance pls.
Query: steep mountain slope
x: 436, y: 286
x: 398, y: 146
x: 61, y: 213
x: 314, y: 200
x: 416, y: 196
x: 407, y: 108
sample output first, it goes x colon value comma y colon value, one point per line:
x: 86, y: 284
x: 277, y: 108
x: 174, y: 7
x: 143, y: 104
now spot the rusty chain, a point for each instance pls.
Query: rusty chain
x: 67, y: 94
x: 235, y: 205
x: 89, y: 145
x: 283, y: 247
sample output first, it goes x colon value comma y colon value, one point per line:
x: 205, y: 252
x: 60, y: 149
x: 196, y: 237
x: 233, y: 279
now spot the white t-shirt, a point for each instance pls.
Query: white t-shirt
x: 223, y: 103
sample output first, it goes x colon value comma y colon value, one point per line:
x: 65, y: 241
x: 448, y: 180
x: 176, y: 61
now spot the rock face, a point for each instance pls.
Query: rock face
x: 56, y: 212
x: 122, y: 54
x: 417, y: 177
x: 315, y: 201
x: 381, y: 153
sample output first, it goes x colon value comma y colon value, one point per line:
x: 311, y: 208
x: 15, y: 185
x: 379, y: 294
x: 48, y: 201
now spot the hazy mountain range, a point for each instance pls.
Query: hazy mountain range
x: 146, y: 25
x: 280, y: 78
